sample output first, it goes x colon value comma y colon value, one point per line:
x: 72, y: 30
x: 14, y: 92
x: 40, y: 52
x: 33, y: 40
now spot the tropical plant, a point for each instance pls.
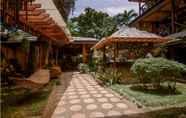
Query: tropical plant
x: 92, y: 23
x: 125, y: 17
x: 25, y: 45
x: 157, y: 70
x: 73, y: 27
x: 110, y: 76
x: 83, y: 68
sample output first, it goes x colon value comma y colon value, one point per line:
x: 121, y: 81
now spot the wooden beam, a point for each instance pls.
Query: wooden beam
x: 39, y: 17
x: 34, y: 13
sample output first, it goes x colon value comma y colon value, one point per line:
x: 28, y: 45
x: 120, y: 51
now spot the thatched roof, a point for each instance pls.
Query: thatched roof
x: 128, y: 35
x: 19, y: 36
x: 127, y: 32
x: 178, y: 38
x: 181, y: 34
x: 52, y: 10
x: 84, y: 40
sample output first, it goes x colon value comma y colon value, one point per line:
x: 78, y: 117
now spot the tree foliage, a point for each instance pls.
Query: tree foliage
x: 156, y: 70
x: 125, y: 17
x: 97, y: 24
x: 110, y: 76
x: 92, y: 23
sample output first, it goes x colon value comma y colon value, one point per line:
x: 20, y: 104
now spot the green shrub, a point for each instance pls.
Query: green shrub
x: 110, y: 76
x: 92, y: 66
x: 83, y: 68
x: 157, y: 70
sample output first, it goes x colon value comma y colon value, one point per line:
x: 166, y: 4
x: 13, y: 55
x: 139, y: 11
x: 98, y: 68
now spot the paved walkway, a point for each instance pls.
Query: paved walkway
x: 84, y: 98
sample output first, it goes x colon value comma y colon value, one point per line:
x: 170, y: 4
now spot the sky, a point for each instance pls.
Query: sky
x: 112, y: 7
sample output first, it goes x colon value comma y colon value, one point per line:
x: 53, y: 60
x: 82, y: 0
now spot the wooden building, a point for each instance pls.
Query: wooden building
x: 166, y: 18
x: 40, y: 18
x: 163, y: 17
x: 77, y: 51
x: 176, y: 48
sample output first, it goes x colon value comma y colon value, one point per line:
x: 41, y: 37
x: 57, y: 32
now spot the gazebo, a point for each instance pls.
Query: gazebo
x: 127, y: 38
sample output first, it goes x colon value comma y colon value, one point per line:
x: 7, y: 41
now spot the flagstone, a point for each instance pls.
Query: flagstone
x: 85, y: 98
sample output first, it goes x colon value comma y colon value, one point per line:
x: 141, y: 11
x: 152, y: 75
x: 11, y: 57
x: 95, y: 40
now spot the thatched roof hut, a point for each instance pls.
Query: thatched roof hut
x: 130, y: 35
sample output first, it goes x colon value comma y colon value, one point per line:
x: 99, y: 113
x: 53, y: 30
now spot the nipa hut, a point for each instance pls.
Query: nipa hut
x: 136, y: 42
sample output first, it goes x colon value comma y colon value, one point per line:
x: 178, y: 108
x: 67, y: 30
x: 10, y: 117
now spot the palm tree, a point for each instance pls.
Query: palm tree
x: 125, y: 17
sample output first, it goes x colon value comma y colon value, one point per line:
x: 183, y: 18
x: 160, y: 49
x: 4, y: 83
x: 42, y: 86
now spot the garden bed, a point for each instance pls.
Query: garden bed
x: 21, y: 103
x: 153, y: 99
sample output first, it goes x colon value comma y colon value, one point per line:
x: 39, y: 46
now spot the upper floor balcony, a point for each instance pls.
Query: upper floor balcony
x: 145, y: 5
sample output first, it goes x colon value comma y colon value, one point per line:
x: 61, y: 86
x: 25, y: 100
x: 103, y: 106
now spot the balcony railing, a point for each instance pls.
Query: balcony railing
x: 148, y: 5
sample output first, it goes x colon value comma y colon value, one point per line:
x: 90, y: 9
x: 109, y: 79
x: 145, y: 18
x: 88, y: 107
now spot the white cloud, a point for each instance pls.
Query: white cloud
x: 112, y: 7
x: 115, y: 10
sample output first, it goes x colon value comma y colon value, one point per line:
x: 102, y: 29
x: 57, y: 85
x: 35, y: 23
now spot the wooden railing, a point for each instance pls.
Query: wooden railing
x: 148, y: 5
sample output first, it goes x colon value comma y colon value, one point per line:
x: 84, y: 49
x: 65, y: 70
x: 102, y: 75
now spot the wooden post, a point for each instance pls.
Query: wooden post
x: 140, y: 8
x: 47, y: 53
x: 104, y: 56
x: 56, y: 56
x: 115, y: 54
x: 84, y: 54
x: 173, y: 16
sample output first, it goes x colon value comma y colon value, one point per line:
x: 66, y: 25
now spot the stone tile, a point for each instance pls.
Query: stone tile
x: 102, y: 100
x: 71, y: 93
x: 75, y: 107
x: 96, y: 114
x: 82, y: 93
x: 84, y: 98
x: 78, y: 115
x: 91, y: 107
x: 107, y: 106
x: 89, y: 100
x: 72, y: 96
x: 59, y: 110
x: 109, y: 95
x: 122, y: 105
x: 93, y: 92
x: 114, y: 113
x: 103, y: 91
x: 114, y: 99
x: 130, y: 111
x: 74, y: 101
x: 97, y: 95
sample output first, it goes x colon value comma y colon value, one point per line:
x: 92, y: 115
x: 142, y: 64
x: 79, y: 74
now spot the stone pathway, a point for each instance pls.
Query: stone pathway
x: 84, y: 98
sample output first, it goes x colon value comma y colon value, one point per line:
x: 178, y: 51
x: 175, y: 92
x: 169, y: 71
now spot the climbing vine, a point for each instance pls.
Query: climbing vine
x: 25, y: 46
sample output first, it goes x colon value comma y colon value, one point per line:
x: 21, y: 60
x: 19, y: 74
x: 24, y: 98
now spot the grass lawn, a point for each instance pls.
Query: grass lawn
x: 153, y: 99
x: 23, y: 104
x: 157, y: 104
